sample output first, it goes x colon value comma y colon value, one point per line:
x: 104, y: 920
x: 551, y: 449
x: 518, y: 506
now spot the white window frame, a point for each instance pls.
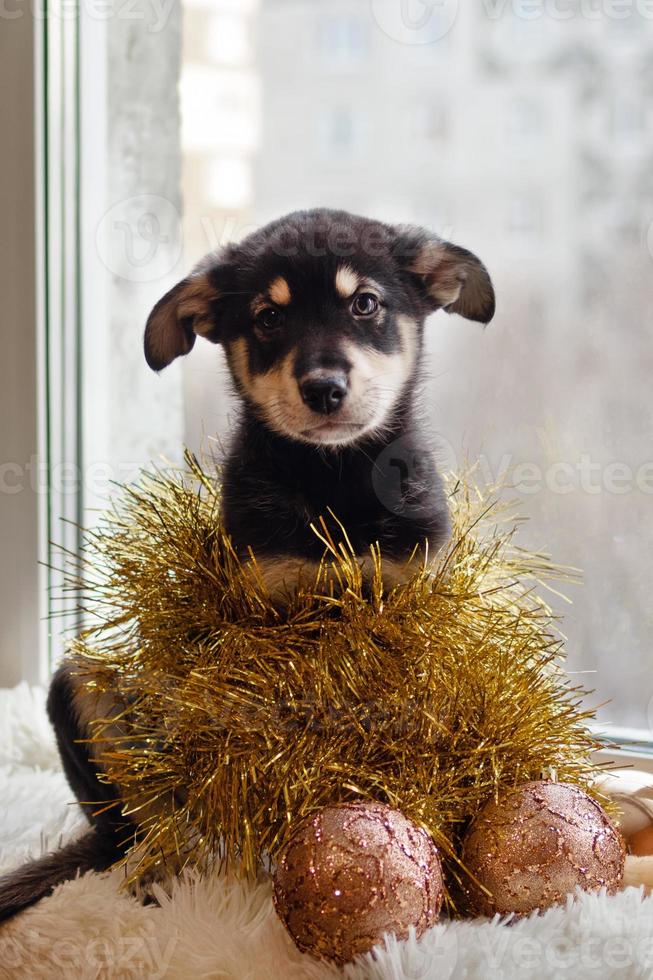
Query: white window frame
x: 59, y: 278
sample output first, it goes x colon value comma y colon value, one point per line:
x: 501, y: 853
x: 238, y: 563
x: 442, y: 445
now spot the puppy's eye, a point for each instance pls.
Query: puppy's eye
x: 365, y: 304
x: 269, y: 319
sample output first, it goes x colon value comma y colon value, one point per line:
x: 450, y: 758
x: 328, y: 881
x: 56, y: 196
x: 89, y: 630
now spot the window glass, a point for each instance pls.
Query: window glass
x: 522, y: 134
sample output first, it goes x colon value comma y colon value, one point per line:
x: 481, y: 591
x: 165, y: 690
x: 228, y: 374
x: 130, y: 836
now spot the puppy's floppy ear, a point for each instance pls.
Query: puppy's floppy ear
x: 448, y: 276
x: 185, y: 311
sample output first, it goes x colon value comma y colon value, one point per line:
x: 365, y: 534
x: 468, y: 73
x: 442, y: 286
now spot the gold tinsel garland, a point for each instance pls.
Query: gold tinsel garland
x: 238, y: 718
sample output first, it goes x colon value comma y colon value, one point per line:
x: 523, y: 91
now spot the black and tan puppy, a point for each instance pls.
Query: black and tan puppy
x: 321, y: 316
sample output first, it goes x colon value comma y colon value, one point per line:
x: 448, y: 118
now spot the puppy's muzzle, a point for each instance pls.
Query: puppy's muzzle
x: 324, y: 393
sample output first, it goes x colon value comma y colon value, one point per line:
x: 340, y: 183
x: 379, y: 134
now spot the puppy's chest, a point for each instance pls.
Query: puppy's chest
x: 270, y: 509
x: 272, y: 502
x: 331, y: 499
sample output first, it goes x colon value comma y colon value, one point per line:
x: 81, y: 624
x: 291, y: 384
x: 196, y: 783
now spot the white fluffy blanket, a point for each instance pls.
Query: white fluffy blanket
x: 214, y: 928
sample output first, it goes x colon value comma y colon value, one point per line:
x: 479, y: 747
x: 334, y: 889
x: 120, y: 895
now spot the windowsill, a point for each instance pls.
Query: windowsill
x: 625, y: 747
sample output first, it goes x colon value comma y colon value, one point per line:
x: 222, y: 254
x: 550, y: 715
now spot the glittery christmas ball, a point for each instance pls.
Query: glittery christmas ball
x: 352, y: 872
x: 535, y: 845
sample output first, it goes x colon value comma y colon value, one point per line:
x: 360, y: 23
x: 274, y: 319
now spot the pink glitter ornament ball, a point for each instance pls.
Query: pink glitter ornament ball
x: 536, y: 845
x: 352, y: 872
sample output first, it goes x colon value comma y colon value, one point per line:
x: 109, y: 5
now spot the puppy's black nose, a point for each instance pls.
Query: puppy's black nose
x: 324, y: 394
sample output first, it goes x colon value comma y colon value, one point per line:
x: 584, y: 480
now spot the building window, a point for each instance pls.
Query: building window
x: 428, y: 123
x: 339, y: 131
x: 523, y: 122
x: 524, y: 217
x: 341, y: 41
x: 626, y: 121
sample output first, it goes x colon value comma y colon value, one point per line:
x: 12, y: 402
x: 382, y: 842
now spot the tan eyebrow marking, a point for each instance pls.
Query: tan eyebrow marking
x: 347, y: 281
x: 279, y: 291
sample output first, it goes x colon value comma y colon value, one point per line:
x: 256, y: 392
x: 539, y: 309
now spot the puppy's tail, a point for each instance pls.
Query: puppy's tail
x: 95, y: 851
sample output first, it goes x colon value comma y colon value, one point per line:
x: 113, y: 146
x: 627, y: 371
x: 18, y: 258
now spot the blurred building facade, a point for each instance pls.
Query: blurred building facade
x: 527, y: 140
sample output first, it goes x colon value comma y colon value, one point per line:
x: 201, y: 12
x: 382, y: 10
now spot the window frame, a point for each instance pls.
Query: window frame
x: 59, y: 286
